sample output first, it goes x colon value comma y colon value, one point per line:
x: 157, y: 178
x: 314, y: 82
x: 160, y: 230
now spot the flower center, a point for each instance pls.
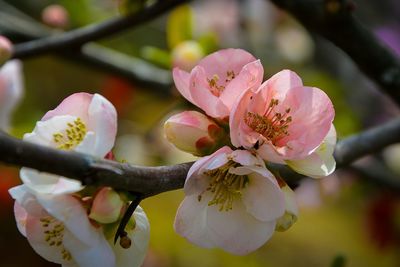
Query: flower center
x: 226, y: 187
x: 213, y: 82
x: 54, y: 234
x: 272, y: 125
x: 72, y: 137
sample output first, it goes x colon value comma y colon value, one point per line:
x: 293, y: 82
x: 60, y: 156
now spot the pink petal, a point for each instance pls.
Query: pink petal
x: 249, y: 78
x: 246, y: 158
x: 312, y: 115
x: 181, y: 80
x: 236, y: 117
x: 74, y: 105
x: 282, y: 82
x: 321, y: 162
x: 20, y: 217
x: 202, y: 96
x: 225, y: 60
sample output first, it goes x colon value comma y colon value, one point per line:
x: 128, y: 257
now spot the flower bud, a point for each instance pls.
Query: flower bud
x: 291, y: 210
x: 186, y: 55
x: 55, y: 16
x: 6, y: 49
x: 107, y: 206
x: 194, y: 132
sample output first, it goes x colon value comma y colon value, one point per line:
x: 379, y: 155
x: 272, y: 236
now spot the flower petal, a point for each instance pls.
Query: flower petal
x: 236, y: 231
x: 191, y: 221
x: 75, y: 105
x: 263, y: 197
x: 181, y: 80
x: 202, y: 96
x: 321, y: 162
x: 103, y: 122
x: 44, y: 183
x: 134, y: 255
x: 98, y: 253
x: 249, y: 78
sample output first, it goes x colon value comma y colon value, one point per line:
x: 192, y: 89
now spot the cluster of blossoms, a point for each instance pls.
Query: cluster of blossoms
x: 232, y: 200
x: 68, y: 223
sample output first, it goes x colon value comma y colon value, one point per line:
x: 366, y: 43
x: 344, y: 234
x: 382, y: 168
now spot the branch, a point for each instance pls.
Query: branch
x: 76, y: 38
x: 150, y: 181
x: 333, y: 20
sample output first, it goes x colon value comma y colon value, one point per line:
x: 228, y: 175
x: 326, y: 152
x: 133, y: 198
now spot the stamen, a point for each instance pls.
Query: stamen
x: 72, y: 137
x: 214, y: 87
x: 226, y: 187
x: 230, y: 75
x: 272, y: 125
x: 54, y: 234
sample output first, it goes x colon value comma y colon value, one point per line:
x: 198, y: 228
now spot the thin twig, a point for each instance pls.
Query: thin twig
x: 149, y: 181
x: 74, y: 39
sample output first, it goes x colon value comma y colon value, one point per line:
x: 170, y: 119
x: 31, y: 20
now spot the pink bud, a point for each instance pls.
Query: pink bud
x: 55, y: 16
x: 6, y: 49
x: 194, y: 132
x: 186, y: 55
x: 107, y: 206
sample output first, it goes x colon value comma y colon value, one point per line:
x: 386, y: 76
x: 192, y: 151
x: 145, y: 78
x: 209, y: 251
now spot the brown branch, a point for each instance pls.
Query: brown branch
x: 333, y: 19
x: 150, y: 181
x: 76, y: 38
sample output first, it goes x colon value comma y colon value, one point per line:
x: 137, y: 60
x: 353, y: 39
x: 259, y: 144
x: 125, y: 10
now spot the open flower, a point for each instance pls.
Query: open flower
x: 283, y: 120
x: 11, y: 90
x: 216, y: 82
x: 59, y: 230
x: 84, y: 123
x: 194, y: 132
x: 232, y: 202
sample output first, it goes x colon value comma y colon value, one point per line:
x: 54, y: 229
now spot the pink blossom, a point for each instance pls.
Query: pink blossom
x: 56, y: 16
x: 11, y: 91
x: 194, y: 132
x: 6, y: 49
x: 232, y: 202
x: 283, y: 120
x: 58, y: 229
x: 84, y: 123
x: 216, y: 82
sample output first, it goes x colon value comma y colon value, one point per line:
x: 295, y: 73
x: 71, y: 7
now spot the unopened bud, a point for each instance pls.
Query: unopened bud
x: 6, y: 49
x: 194, y: 132
x: 124, y: 241
x: 291, y: 211
x: 186, y: 55
x: 55, y: 16
x: 107, y: 206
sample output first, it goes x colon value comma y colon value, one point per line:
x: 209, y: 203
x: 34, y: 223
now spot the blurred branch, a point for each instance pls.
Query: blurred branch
x: 333, y: 19
x: 150, y: 181
x: 76, y: 38
x: 133, y: 69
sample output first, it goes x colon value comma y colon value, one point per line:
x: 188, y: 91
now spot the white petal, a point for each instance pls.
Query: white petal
x: 102, y: 121
x: 98, y: 253
x: 44, y: 183
x: 236, y: 231
x: 321, y: 162
x: 20, y: 217
x: 87, y: 145
x: 70, y: 211
x: 134, y: 255
x: 263, y: 197
x: 246, y: 158
x: 44, y: 130
x: 191, y: 221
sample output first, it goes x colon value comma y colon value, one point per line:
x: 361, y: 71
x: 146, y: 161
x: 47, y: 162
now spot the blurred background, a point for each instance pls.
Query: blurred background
x: 347, y: 219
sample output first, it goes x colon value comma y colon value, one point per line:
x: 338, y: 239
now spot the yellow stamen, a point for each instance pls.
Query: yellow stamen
x: 73, y: 136
x: 226, y: 187
x: 272, y: 125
